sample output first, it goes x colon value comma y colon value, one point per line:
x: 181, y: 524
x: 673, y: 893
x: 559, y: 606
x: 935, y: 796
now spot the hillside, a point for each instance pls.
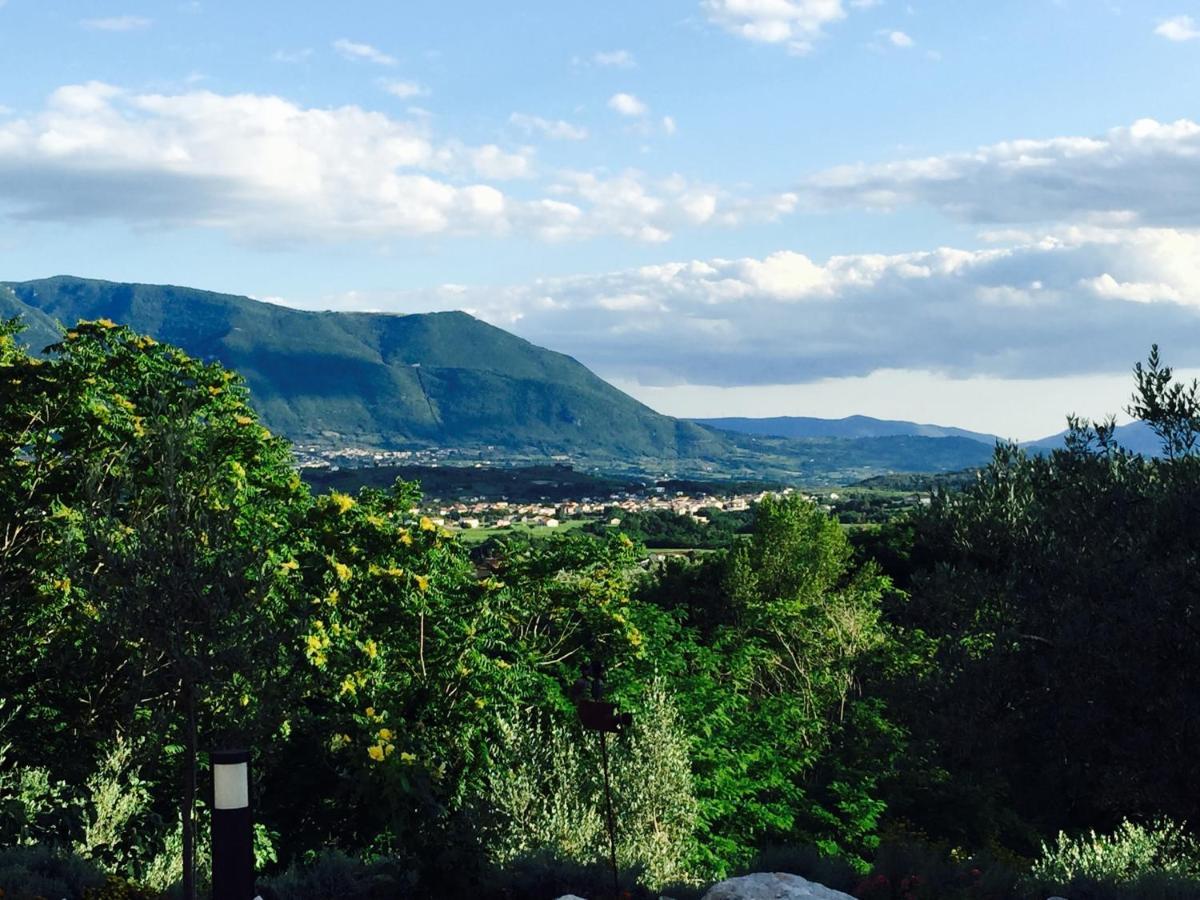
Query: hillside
x: 447, y: 380
x: 438, y: 379
x: 848, y: 427
x: 1135, y: 436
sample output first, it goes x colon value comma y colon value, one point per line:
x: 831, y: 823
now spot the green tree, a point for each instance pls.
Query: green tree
x: 143, y: 491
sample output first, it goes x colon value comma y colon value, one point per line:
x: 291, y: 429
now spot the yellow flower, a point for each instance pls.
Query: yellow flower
x: 106, y: 323
x: 349, y: 687
x: 375, y: 752
x: 333, y: 597
x: 427, y: 524
x: 243, y: 420
x: 422, y: 582
x: 245, y: 699
x: 343, y: 502
x: 395, y: 572
x: 63, y: 584
x: 406, y: 539
x: 503, y: 664
x: 408, y: 758
x: 342, y: 570
x: 237, y: 468
x: 370, y: 712
x: 370, y: 649
x: 214, y: 390
x: 146, y: 342
x: 389, y: 749
x: 480, y: 702
x: 289, y: 565
x: 385, y: 734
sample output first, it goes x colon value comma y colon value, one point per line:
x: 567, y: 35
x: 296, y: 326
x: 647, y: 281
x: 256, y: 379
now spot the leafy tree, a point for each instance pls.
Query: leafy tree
x: 1061, y: 594
x: 143, y: 491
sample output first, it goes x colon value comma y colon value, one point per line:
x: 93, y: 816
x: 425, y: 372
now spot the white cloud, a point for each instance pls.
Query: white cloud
x: 633, y: 205
x: 1070, y: 303
x: 291, y: 56
x: 117, y: 23
x: 353, y: 50
x: 1148, y: 172
x: 900, y: 39
x: 794, y: 23
x: 265, y: 169
x: 617, y: 59
x: 668, y: 125
x: 1179, y: 28
x: 404, y: 89
x: 627, y: 105
x: 555, y: 129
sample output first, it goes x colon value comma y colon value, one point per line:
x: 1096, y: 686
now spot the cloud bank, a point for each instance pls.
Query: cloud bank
x: 1143, y: 173
x: 1076, y: 302
x: 265, y: 169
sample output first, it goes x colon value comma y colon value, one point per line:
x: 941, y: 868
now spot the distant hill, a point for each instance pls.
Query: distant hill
x: 437, y: 379
x: 1135, y: 436
x: 448, y: 380
x: 849, y: 427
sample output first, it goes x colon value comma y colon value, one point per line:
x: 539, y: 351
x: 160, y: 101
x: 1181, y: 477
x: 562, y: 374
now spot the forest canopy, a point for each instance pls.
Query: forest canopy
x: 1011, y: 662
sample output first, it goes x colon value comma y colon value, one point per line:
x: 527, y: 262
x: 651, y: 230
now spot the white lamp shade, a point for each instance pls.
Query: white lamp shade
x: 231, y: 786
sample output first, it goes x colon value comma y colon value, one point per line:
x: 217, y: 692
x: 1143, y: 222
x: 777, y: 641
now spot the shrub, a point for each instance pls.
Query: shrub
x: 31, y: 872
x: 1129, y: 853
x: 546, y: 794
x: 336, y: 876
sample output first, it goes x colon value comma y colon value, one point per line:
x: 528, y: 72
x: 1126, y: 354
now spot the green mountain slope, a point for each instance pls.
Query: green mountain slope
x: 451, y: 381
x: 439, y: 379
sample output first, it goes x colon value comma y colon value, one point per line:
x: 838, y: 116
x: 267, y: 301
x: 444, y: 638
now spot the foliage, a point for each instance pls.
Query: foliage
x: 1127, y: 854
x: 27, y: 873
x: 546, y: 794
x: 659, y: 528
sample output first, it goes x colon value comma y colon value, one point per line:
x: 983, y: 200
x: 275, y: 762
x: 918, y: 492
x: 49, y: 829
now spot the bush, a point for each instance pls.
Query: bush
x: 32, y: 872
x: 336, y: 876
x: 1129, y: 853
x: 546, y: 794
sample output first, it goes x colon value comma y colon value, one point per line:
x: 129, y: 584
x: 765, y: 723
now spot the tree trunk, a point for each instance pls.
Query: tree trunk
x: 189, y: 792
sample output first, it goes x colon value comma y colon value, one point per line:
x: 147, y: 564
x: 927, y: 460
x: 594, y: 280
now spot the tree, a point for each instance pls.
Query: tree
x: 1062, y: 595
x: 144, y: 493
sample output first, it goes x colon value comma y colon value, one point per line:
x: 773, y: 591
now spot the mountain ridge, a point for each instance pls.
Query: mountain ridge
x: 855, y: 426
x: 447, y: 380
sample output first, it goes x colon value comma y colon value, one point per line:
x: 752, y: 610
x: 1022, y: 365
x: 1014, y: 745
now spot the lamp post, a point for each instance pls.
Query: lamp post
x: 232, y: 831
x: 597, y: 714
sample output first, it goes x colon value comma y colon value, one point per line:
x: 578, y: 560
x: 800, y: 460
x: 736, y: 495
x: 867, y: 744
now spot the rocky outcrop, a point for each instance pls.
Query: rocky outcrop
x: 773, y: 886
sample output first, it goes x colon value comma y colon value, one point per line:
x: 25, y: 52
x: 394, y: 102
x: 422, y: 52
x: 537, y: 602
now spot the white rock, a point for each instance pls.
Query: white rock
x: 773, y: 886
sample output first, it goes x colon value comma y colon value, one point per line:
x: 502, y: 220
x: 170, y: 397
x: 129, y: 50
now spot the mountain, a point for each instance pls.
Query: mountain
x: 849, y: 427
x: 447, y: 380
x: 437, y: 379
x: 1135, y: 436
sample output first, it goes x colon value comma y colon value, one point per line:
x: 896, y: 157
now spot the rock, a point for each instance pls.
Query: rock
x: 773, y: 886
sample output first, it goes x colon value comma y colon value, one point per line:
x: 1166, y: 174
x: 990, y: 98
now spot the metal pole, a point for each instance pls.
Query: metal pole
x: 232, y: 832
x: 612, y: 824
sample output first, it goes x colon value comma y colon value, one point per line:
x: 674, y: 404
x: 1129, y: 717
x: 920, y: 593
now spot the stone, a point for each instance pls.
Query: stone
x: 773, y: 886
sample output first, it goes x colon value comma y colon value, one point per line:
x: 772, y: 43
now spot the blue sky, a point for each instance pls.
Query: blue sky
x: 973, y: 213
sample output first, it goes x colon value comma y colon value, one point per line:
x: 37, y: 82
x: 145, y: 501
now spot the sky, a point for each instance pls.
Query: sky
x: 966, y: 213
